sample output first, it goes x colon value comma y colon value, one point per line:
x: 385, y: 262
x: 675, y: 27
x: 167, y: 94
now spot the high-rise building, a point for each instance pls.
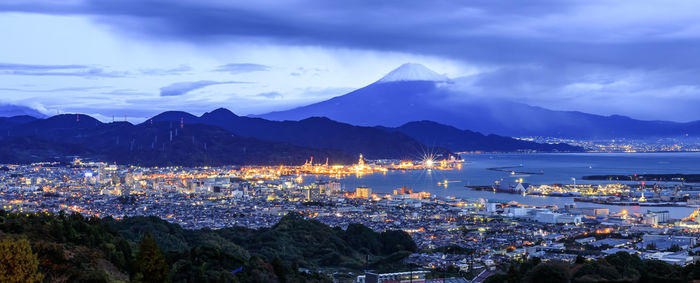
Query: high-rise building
x: 363, y: 192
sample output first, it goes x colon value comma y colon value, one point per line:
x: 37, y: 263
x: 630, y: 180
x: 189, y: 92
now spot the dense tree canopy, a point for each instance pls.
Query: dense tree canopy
x: 18, y: 264
x: 150, y: 264
x: 148, y: 249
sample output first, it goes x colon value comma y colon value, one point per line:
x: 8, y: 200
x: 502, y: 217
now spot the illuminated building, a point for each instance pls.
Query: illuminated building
x: 403, y: 191
x: 363, y: 192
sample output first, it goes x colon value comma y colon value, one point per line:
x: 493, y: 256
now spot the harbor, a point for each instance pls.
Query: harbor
x: 560, y: 172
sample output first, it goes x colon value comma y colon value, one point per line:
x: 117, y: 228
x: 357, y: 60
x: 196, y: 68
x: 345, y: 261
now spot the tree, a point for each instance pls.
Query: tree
x: 397, y: 240
x: 17, y: 262
x: 651, y: 246
x: 280, y: 269
x: 674, y: 248
x: 150, y: 264
x: 550, y: 272
x: 497, y: 278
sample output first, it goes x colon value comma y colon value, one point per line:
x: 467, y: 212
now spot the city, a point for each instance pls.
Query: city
x: 258, y: 197
x: 393, y: 141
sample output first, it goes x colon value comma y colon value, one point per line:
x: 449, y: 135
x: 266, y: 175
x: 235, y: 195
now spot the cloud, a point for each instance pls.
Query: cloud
x: 9, y: 110
x: 477, y: 31
x: 550, y: 52
x: 237, y: 68
x: 605, y: 90
x: 28, y: 67
x: 58, y: 70
x: 63, y: 89
x: 303, y: 71
x: 182, y: 88
x: 270, y: 95
x: 166, y: 72
x: 87, y: 71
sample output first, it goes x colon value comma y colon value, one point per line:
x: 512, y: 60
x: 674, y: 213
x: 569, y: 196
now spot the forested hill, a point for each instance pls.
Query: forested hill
x: 73, y: 248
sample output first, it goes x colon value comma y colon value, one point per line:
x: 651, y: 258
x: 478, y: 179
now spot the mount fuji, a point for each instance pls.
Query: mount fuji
x: 412, y: 72
x: 412, y: 92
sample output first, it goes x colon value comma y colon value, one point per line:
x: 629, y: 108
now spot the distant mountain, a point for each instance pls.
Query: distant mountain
x: 9, y: 122
x: 413, y: 93
x: 148, y: 144
x: 412, y: 72
x: 312, y: 132
x: 457, y: 140
x: 409, y: 141
x: 220, y: 137
x: 10, y: 110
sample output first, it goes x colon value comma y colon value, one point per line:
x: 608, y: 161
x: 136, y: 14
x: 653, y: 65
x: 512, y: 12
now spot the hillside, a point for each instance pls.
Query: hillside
x: 77, y: 249
x: 163, y: 143
x: 308, y: 243
x: 314, y: 132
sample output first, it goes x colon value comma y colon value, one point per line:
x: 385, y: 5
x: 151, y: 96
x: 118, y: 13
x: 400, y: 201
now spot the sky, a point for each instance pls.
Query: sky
x: 111, y: 58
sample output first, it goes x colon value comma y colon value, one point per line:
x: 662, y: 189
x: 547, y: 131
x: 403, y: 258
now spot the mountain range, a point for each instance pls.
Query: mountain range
x: 411, y: 140
x: 60, y: 137
x: 221, y: 137
x: 311, y: 132
x: 434, y: 134
x: 413, y: 92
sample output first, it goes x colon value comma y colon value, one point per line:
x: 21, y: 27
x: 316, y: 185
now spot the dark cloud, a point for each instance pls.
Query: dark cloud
x: 185, y: 87
x: 541, y: 50
x: 543, y: 31
x: 237, y: 68
x: 270, y: 95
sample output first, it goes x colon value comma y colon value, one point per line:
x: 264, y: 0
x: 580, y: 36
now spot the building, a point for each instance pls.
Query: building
x: 517, y: 211
x: 650, y: 219
x: 552, y: 218
x: 679, y: 258
x: 665, y: 242
x: 513, y: 187
x: 363, y: 192
x: 662, y: 215
x: 403, y: 191
x: 590, y: 211
x: 397, y: 277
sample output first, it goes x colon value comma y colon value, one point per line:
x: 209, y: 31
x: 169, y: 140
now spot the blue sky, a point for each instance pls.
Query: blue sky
x: 141, y: 57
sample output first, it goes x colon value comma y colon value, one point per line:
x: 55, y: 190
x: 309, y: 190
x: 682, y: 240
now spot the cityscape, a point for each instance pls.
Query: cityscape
x: 349, y: 141
x: 257, y: 197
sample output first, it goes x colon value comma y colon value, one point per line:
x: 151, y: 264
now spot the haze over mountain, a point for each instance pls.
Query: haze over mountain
x: 10, y: 110
x: 412, y: 92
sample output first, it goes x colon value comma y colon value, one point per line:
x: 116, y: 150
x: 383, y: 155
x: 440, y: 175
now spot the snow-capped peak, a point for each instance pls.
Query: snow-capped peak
x: 412, y: 72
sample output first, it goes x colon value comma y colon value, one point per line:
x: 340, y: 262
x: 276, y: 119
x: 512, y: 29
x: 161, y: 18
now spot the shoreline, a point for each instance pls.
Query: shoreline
x: 586, y: 200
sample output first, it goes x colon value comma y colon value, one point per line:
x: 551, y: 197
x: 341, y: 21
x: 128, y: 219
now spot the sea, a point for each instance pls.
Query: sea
x: 538, y: 168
